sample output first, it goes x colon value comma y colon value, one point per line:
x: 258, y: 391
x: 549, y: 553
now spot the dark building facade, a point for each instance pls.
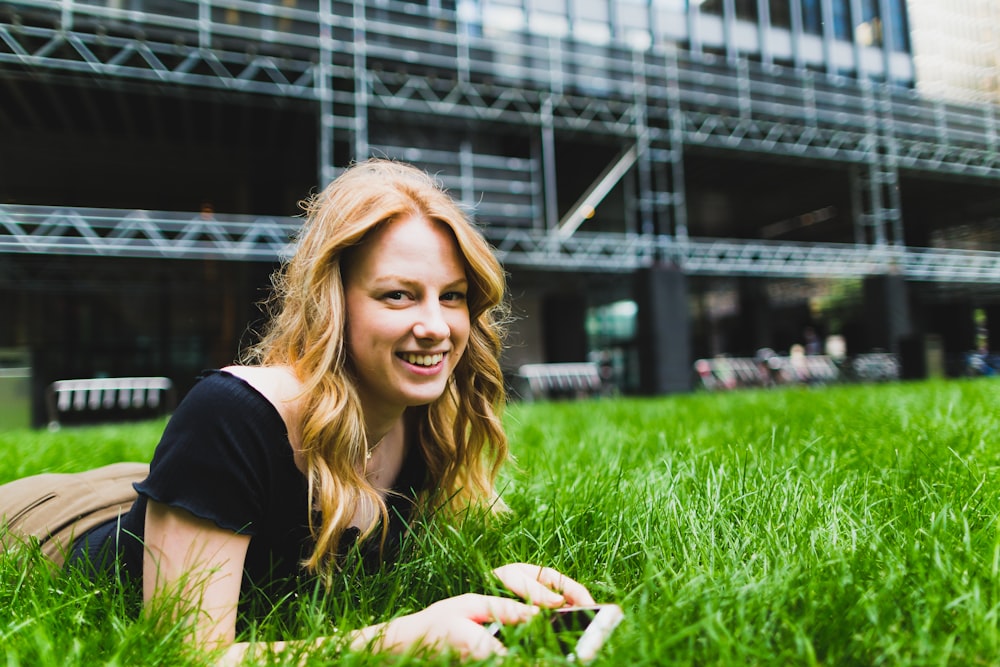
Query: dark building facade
x: 663, y: 179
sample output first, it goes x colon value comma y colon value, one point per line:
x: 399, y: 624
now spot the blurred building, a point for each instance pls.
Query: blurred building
x: 663, y: 179
x: 956, y: 49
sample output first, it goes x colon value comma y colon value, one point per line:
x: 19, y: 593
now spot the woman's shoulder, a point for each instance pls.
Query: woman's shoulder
x: 278, y: 384
x: 277, y: 381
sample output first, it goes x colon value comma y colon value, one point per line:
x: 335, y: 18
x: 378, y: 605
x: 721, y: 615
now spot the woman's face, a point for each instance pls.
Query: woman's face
x: 407, y: 316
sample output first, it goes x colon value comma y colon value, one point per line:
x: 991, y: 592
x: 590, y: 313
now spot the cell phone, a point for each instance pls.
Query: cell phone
x: 582, y: 631
x: 579, y: 631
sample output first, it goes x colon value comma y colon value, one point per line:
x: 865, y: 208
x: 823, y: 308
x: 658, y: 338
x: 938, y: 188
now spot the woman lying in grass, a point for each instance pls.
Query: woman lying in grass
x: 372, y: 396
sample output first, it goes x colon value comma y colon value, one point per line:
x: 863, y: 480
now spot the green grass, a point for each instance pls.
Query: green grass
x: 15, y: 407
x: 855, y: 525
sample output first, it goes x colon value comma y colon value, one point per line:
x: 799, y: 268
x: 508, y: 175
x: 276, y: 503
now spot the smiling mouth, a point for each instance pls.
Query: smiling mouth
x: 426, y: 360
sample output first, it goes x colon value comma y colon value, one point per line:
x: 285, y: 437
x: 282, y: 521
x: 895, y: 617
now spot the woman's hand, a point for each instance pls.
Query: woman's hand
x: 455, y: 623
x: 458, y: 623
x: 542, y: 585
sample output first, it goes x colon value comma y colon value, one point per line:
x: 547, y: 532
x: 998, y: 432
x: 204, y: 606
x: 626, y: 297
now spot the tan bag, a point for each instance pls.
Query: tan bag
x: 55, y: 508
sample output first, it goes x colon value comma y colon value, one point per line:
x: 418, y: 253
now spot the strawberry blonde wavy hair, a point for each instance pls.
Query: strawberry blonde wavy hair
x: 459, y: 434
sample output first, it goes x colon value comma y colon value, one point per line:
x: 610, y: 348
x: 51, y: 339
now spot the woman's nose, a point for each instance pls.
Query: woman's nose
x: 432, y: 323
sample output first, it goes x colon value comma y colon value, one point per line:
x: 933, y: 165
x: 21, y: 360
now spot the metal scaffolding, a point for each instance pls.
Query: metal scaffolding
x: 353, y: 58
x: 157, y: 234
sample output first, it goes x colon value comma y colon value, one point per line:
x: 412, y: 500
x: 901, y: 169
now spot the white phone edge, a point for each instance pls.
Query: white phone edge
x: 596, y: 633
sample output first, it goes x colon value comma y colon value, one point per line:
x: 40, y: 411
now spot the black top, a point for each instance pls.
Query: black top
x: 225, y: 456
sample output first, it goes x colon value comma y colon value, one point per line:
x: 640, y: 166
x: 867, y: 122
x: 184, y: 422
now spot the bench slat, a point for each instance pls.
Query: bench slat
x: 577, y: 377
x: 107, y: 394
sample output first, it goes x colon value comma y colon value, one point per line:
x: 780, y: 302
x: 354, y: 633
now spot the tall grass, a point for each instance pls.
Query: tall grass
x: 847, y: 525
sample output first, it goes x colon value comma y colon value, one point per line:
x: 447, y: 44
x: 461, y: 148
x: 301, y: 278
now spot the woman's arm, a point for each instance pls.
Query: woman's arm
x: 191, y: 571
x: 455, y: 624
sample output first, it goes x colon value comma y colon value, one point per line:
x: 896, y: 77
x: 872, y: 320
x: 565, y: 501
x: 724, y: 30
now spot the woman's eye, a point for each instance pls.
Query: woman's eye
x: 396, y: 295
x: 453, y: 296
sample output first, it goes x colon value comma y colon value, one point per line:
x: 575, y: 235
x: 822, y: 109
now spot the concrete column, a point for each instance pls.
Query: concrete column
x: 887, y: 312
x: 565, y: 318
x: 955, y: 324
x: 754, y: 330
x: 993, y: 328
x: 663, y: 335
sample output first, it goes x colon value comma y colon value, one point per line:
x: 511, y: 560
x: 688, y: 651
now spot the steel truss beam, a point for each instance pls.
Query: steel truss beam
x: 432, y: 64
x: 121, y: 233
x: 514, y: 105
x: 625, y: 253
x: 107, y: 55
x: 705, y: 128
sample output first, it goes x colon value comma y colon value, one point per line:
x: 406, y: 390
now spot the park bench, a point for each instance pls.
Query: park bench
x: 561, y: 380
x: 875, y: 367
x: 723, y: 373
x: 104, y: 399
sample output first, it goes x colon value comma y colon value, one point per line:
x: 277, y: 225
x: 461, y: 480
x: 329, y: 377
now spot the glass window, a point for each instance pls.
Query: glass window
x: 670, y: 20
x: 780, y: 13
x: 812, y: 17
x: 868, y: 31
x: 548, y: 17
x: 869, y: 10
x: 548, y: 6
x: 710, y: 7
x: 672, y: 5
x: 591, y: 10
x: 746, y: 10
x: 842, y: 27
x: 502, y: 15
x: 633, y: 23
x: 612, y: 322
x: 898, y: 25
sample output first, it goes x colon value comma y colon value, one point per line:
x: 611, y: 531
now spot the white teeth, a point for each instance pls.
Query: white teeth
x: 423, y: 359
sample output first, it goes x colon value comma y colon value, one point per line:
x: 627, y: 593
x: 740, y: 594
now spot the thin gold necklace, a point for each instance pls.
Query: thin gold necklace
x: 371, y: 450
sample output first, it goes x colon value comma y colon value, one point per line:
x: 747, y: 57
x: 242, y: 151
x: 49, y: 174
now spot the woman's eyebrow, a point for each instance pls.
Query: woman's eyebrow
x: 392, y: 279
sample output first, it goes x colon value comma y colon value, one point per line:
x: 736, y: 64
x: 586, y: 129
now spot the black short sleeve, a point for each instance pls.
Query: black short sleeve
x: 225, y: 457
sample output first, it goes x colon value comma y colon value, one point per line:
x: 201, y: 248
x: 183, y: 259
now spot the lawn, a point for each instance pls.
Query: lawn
x: 846, y: 525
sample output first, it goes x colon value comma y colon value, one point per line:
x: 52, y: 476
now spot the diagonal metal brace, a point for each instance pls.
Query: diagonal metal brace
x: 596, y: 193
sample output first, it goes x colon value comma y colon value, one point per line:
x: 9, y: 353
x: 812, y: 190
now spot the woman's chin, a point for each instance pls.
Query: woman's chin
x: 424, y: 395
